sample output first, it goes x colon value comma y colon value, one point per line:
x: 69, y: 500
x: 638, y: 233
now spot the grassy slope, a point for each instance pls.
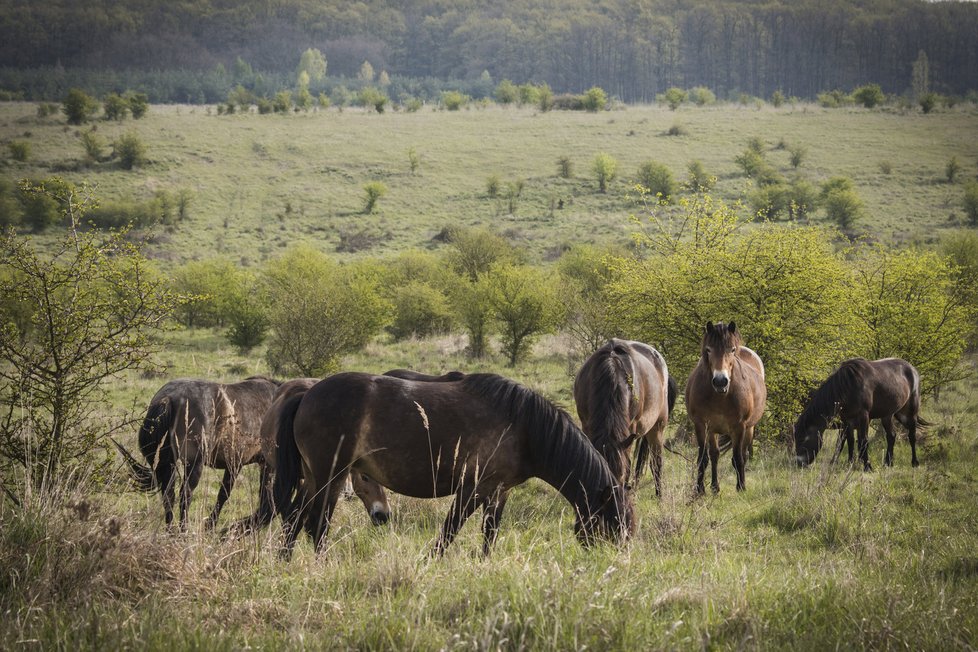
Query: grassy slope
x: 813, y: 559
x: 244, y: 169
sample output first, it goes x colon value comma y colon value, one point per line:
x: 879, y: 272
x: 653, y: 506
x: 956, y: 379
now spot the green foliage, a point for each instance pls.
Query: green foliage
x: 842, y: 205
x: 372, y: 98
x: 784, y: 286
x: 506, y: 92
x: 20, y: 150
x: 529, y: 95
x: 40, y: 209
x: 928, y: 101
x: 138, y: 104
x: 699, y: 180
x: 94, y: 146
x: 115, y: 107
x: 657, y: 179
x: 420, y: 310
x: 453, y: 100
x: 777, y: 98
x: 833, y: 99
x: 492, y: 186
x: 791, y: 201
x: 908, y: 307
x: 585, y: 273
x: 870, y: 95
x: 701, y: 96
x: 216, y: 287
x: 78, y: 106
x: 414, y: 160
x: 11, y: 208
x: 798, y: 154
x: 470, y: 301
x: 952, y: 169
x: 595, y: 99
x: 970, y: 202
x: 525, y: 304
x: 303, y: 99
x: 318, y: 311
x: 545, y: 99
x: 756, y: 167
x: 605, y: 169
x: 565, y: 167
x: 282, y: 102
x: 474, y: 252
x: 372, y: 191
x: 246, y: 315
x: 129, y: 150
x: 313, y: 63
x: 677, y: 130
x: 101, y: 304
x: 366, y: 72
x: 673, y: 97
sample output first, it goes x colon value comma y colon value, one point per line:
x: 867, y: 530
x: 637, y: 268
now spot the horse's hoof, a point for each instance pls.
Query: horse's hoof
x: 868, y: 468
x: 915, y: 463
x: 741, y: 487
x: 716, y: 490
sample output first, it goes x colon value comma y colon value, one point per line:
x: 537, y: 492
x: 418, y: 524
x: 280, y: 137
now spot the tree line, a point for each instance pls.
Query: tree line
x: 633, y: 50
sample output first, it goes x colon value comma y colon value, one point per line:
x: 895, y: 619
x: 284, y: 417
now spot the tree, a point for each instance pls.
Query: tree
x: 138, y: 105
x: 475, y: 251
x: 920, y: 76
x: 605, y: 170
x: 74, y: 317
x: 586, y: 274
x: 506, y: 92
x: 313, y: 63
x: 698, y: 179
x: 657, y: 179
x: 595, y: 99
x: 115, y: 107
x: 673, y: 97
x: 212, y: 288
x: 373, y: 191
x: 366, y: 72
x: 525, y: 303
x: 78, y: 106
x: 420, y: 310
x: 869, y: 95
x: 318, y: 311
x: 129, y: 150
x: 246, y: 315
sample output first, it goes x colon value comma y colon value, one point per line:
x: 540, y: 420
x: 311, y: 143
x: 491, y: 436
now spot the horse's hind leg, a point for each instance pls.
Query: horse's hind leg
x: 166, y: 480
x: 321, y: 511
x: 492, y: 513
x: 227, y: 484
x: 739, y: 455
x: 887, y: 423
x: 862, y: 432
x: 191, y: 478
x: 912, y: 436
x: 654, y: 440
x: 462, y: 507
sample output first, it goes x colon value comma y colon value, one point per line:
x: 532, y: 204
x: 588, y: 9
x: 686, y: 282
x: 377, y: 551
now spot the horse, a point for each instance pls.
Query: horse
x: 474, y: 438
x: 624, y: 393
x: 725, y: 393
x: 372, y: 495
x: 191, y: 423
x: 858, y: 391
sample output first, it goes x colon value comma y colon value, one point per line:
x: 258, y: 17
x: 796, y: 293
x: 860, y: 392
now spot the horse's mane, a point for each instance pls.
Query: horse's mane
x: 824, y: 401
x: 555, y: 442
x: 720, y: 335
x: 277, y: 383
x: 609, y: 396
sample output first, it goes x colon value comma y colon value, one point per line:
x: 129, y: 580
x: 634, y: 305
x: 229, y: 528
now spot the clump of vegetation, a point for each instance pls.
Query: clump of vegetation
x: 842, y: 205
x: 833, y: 99
x: 702, y: 96
x: 372, y: 191
x: 78, y: 106
x: 970, y: 202
x: 870, y: 95
x: 20, y: 150
x: 595, y: 99
x: 492, y: 186
x: 94, y: 146
x: 454, y: 100
x: 698, y: 179
x: 420, y: 310
x: 673, y: 97
x: 677, y: 130
x: 777, y: 99
x: 952, y: 169
x: 129, y: 150
x: 605, y: 169
x: 565, y: 167
x: 414, y: 160
x: 657, y: 179
x: 928, y: 101
x: 373, y: 98
x: 115, y: 107
x: 797, y: 154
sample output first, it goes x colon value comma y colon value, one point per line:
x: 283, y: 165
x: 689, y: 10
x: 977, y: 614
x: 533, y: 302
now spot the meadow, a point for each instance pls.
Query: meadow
x: 823, y: 558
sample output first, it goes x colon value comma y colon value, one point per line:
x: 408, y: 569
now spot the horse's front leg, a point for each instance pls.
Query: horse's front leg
x: 738, y: 442
x: 862, y: 428
x: 462, y: 507
x: 191, y: 477
x: 701, y: 457
x: 714, y: 460
x: 492, y: 514
x: 887, y: 423
x: 227, y: 484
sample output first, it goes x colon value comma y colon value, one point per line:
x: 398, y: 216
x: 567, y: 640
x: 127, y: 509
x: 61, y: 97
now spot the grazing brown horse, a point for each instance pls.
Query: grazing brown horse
x: 191, y: 423
x: 474, y: 438
x: 624, y: 393
x: 372, y: 495
x: 725, y: 393
x: 858, y: 391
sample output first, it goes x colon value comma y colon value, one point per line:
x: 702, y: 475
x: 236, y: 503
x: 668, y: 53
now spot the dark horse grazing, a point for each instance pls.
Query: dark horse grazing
x: 474, y: 438
x: 858, y: 391
x: 196, y: 422
x: 369, y: 492
x: 623, y: 393
x: 725, y: 394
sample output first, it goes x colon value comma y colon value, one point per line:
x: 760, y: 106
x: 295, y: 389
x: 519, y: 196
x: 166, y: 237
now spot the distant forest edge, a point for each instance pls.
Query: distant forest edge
x: 635, y: 49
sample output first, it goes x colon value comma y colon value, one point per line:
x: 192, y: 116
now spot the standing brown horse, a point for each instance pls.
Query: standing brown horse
x: 858, y: 391
x: 725, y: 394
x: 191, y: 423
x: 623, y: 393
x: 474, y: 438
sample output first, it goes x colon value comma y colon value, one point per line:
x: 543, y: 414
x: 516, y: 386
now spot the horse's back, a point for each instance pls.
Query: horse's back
x: 749, y: 356
x: 896, y: 387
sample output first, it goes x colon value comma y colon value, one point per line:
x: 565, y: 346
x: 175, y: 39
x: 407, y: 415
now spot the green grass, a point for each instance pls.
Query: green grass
x: 245, y: 169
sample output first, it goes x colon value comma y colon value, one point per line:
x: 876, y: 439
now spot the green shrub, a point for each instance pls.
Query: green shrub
x: 605, y: 169
x: 282, y: 102
x: 698, y: 179
x: 928, y: 101
x: 454, y: 100
x: 94, y: 145
x: 129, y: 150
x: 506, y: 92
x: 20, y: 150
x: 677, y: 130
x: 673, y: 97
x: 657, y: 179
x: 843, y: 207
x: 78, y: 106
x: 525, y: 304
x: 545, y: 101
x: 797, y: 153
x: 870, y: 95
x: 777, y: 98
x: 11, y: 207
x: 420, y: 310
x: 529, y: 94
x: 115, y: 107
x: 595, y: 99
x: 701, y: 96
x: 952, y: 169
x: 833, y: 99
x: 413, y: 105
x: 492, y: 186
x: 373, y: 191
x: 40, y: 209
x: 373, y: 98
x: 970, y: 202
x: 565, y: 167
x: 248, y: 322
x: 138, y: 105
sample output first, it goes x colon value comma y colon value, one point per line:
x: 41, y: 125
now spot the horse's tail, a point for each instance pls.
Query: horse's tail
x: 915, y: 398
x: 610, y: 400
x: 287, y: 460
x: 672, y: 391
x: 141, y: 475
x: 641, y: 457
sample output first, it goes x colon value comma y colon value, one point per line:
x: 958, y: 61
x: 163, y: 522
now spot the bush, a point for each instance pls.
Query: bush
x: 605, y: 170
x: 870, y: 95
x: 454, y: 100
x: 673, y: 97
x: 790, y: 201
x: 282, y: 102
x: 11, y: 208
x: 928, y: 101
x: 413, y: 105
x: 568, y: 102
x: 843, y: 207
x: 492, y: 186
x: 756, y: 167
x: 129, y: 150
x: 701, y: 96
x: 506, y: 92
x: 698, y: 179
x: 595, y: 99
x: 797, y: 153
x: 115, y: 107
x: 970, y: 202
x: 565, y: 167
x: 529, y: 94
x: 777, y: 98
x: 657, y: 179
x: 94, y: 145
x: 372, y: 98
x: 545, y: 101
x: 40, y: 209
x: 138, y: 105
x: 248, y: 322
x: 677, y: 130
x: 20, y: 150
x: 373, y: 191
x: 833, y: 99
x: 78, y: 106
x: 525, y: 303
x: 214, y: 287
x: 420, y: 310
x: 952, y: 169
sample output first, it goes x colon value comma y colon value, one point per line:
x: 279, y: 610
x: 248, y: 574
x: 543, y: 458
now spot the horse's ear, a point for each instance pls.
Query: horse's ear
x: 732, y: 327
x: 709, y: 327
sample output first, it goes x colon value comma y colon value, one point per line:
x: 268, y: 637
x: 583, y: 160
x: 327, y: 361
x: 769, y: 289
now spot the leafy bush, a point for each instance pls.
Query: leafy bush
x: 40, y: 209
x: 506, y: 92
x: 115, y: 107
x: 605, y: 169
x: 970, y: 202
x: 454, y: 100
x: 138, y: 105
x: 372, y: 98
x: 529, y: 94
x: 420, y: 310
x: 565, y: 167
x: 595, y: 99
x: 213, y: 286
x: 777, y: 98
x: 20, y: 150
x: 129, y: 150
x: 952, y: 169
x: 698, y: 179
x: 282, y: 102
x: 78, y: 106
x: 525, y: 304
x: 657, y: 178
x: 568, y: 102
x: 545, y: 100
x: 797, y: 153
x: 928, y: 101
x: 492, y: 186
x: 870, y: 95
x: 373, y: 191
x: 11, y: 208
x: 844, y: 207
x: 94, y: 145
x: 833, y: 99
x: 701, y: 96
x: 248, y: 322
x: 677, y: 130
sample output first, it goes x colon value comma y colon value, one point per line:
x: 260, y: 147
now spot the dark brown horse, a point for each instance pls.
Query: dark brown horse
x: 858, y: 391
x: 191, y: 423
x: 624, y: 393
x: 725, y: 393
x: 474, y: 438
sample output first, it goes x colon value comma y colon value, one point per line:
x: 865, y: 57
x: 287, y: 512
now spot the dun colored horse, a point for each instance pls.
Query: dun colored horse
x: 725, y: 393
x: 191, y: 423
x: 473, y: 438
x: 858, y: 391
x: 623, y: 393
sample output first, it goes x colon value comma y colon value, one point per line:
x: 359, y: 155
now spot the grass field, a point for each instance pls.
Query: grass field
x: 247, y: 170
x: 822, y: 558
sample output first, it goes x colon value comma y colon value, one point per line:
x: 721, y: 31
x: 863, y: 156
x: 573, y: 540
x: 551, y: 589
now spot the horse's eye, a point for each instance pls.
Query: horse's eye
x: 707, y: 350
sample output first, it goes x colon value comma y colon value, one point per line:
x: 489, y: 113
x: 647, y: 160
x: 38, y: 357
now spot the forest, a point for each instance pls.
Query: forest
x: 632, y: 48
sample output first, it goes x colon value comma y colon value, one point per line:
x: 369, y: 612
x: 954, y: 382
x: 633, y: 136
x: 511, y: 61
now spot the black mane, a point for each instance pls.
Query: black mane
x: 823, y: 405
x: 610, y: 393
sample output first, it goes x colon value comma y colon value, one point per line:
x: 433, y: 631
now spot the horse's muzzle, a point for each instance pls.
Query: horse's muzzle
x: 379, y: 517
x: 721, y: 383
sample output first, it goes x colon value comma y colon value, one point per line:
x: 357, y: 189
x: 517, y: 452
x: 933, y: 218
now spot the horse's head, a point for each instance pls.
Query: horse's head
x: 373, y: 496
x: 808, y: 441
x: 721, y: 343
x: 613, y: 519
